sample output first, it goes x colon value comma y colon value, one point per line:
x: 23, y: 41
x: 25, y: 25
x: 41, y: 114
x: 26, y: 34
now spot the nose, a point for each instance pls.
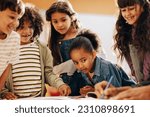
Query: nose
x: 26, y: 30
x: 127, y: 13
x: 60, y: 24
x: 80, y: 66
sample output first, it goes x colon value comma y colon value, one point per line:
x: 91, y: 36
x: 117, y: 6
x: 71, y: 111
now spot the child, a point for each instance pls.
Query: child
x: 132, y: 39
x: 10, y: 12
x: 83, y: 54
x: 64, y: 29
x: 34, y: 68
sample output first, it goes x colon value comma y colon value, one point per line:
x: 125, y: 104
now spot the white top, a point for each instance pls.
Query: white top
x: 27, y: 72
x: 9, y: 50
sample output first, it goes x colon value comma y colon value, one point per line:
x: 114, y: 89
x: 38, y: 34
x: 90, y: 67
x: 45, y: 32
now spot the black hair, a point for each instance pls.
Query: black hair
x: 14, y: 5
x: 81, y: 42
x: 31, y: 14
x: 93, y: 37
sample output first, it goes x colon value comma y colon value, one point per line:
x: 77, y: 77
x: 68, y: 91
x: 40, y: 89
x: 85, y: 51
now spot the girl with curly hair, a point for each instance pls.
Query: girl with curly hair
x: 132, y: 39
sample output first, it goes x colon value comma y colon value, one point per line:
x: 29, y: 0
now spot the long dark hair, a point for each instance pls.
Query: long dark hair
x: 123, y: 37
x: 62, y: 7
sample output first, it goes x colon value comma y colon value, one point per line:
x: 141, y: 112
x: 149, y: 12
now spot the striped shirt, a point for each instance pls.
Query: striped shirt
x: 27, y: 72
x: 9, y: 49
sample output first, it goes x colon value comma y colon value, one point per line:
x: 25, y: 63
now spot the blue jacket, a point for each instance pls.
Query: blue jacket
x: 103, y: 70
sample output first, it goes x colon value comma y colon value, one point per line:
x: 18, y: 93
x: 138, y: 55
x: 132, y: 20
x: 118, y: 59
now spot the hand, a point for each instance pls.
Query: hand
x: 64, y: 90
x: 113, y: 91
x: 86, y: 89
x: 51, y: 91
x: 139, y: 93
x: 99, y: 87
x: 9, y: 96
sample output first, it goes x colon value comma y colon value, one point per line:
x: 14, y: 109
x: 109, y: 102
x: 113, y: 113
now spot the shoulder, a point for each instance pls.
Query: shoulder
x: 14, y: 37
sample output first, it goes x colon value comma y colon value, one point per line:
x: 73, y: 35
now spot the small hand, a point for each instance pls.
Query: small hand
x: 9, y: 96
x: 86, y: 89
x: 64, y: 90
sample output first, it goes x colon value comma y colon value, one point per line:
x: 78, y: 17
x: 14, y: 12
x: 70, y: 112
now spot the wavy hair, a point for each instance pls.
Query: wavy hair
x: 123, y: 37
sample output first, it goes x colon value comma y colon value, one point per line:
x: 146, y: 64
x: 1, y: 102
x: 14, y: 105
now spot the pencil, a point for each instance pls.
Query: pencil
x: 107, y: 86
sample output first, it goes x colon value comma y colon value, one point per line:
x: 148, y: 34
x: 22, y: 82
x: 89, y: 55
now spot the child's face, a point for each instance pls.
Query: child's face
x: 61, y: 22
x: 8, y: 21
x: 131, y: 13
x: 83, y: 60
x: 26, y: 32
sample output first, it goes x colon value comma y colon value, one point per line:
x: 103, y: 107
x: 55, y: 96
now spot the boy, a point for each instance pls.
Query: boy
x: 10, y: 12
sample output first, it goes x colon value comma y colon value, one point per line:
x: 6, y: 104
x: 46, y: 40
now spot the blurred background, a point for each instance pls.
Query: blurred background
x: 97, y: 15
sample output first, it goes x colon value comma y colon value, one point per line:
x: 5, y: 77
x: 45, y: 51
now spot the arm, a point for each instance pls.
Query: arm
x: 65, y: 67
x: 51, y: 78
x: 139, y: 93
x: 146, y: 66
x: 4, y: 76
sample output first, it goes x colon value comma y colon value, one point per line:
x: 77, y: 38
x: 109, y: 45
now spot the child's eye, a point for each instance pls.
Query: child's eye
x: 21, y: 27
x: 83, y: 60
x: 54, y: 22
x: 63, y: 20
x: 122, y: 10
x: 12, y: 17
x: 75, y: 63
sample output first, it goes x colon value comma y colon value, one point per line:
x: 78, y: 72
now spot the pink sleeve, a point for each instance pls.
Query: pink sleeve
x: 146, y: 66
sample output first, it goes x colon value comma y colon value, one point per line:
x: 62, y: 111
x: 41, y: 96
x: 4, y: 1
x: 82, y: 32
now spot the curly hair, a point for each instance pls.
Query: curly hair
x: 61, y: 6
x: 123, y: 37
x: 31, y: 14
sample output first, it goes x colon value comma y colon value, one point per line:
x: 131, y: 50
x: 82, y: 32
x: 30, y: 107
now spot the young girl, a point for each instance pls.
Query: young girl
x: 95, y: 69
x: 34, y: 68
x: 64, y: 29
x: 132, y: 39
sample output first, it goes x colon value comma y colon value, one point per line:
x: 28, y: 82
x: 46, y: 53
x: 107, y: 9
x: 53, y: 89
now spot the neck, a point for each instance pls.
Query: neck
x: 72, y: 33
x: 2, y: 35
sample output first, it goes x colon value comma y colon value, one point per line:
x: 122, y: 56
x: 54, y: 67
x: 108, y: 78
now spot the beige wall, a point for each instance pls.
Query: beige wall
x: 82, y: 6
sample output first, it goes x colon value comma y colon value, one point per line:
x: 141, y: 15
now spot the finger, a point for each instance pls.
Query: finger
x: 101, y: 86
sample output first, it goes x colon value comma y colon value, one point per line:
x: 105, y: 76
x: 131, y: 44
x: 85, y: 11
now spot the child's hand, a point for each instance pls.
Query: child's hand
x: 86, y: 89
x: 64, y: 90
x: 51, y: 91
x: 9, y: 96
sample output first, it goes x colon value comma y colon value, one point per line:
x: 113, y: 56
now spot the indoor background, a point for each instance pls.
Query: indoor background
x: 97, y: 15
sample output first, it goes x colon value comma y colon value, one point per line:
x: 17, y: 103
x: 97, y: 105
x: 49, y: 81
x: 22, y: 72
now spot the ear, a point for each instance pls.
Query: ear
x: 94, y: 54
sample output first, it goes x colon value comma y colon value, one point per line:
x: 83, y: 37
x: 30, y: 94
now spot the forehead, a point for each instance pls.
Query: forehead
x: 9, y: 12
x: 79, y: 53
x: 57, y: 15
x: 126, y: 3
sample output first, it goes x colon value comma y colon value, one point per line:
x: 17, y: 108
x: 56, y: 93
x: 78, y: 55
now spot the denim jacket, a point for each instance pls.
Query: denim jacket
x: 103, y: 70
